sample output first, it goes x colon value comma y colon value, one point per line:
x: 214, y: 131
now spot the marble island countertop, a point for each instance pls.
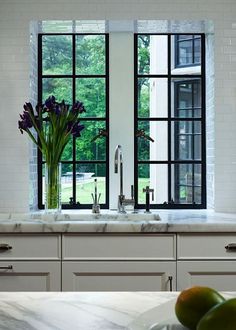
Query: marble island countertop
x: 82, y: 310
x: 110, y: 222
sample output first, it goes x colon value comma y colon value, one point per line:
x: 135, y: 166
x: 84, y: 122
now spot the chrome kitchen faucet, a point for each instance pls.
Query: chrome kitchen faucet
x: 122, y: 201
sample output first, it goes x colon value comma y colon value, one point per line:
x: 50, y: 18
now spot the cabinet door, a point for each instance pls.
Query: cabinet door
x: 220, y: 275
x: 118, y: 276
x: 30, y: 276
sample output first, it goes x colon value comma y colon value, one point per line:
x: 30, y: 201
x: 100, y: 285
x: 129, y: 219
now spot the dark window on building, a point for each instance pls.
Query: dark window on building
x: 75, y: 67
x: 188, y: 50
x: 187, y: 137
x: 169, y: 108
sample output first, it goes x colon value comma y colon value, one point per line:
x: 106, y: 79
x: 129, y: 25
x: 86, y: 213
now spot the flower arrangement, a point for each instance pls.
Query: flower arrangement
x: 54, y: 123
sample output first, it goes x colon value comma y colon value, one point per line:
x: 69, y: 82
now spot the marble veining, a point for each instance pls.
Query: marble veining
x: 78, y: 310
x: 110, y: 222
x: 81, y: 310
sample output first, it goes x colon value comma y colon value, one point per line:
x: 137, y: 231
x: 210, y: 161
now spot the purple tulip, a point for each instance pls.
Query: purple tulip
x: 78, y: 107
x: 28, y: 107
x: 50, y: 103
x: 76, y: 129
x: 57, y: 110
x: 25, y: 122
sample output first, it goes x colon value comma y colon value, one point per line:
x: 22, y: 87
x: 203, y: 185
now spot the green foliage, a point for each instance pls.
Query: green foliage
x: 90, y: 59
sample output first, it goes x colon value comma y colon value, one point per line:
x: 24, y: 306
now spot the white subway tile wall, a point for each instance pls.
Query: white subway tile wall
x: 15, y: 17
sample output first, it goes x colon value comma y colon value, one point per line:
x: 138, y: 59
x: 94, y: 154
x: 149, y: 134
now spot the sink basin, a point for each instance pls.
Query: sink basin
x: 103, y: 216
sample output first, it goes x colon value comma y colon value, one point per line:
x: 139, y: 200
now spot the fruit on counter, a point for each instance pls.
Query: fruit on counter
x: 193, y: 303
x: 220, y: 317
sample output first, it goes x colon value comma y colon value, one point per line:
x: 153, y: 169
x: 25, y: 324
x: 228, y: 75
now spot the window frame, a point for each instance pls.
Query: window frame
x: 74, y: 162
x: 178, y: 42
x: 192, y: 185
x: 169, y: 119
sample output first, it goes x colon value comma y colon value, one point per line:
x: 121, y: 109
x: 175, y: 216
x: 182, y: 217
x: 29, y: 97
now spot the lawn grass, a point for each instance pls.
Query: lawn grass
x: 86, y: 187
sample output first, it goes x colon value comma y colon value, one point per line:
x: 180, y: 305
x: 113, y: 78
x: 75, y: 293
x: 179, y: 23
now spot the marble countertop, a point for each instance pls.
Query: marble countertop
x: 110, y: 222
x: 80, y: 310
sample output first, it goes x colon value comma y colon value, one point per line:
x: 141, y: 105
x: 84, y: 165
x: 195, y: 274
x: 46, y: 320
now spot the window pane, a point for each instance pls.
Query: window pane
x: 186, y: 98
x: 152, y: 97
x: 184, y: 36
x: 87, y: 150
x: 85, y: 175
x: 185, y: 52
x: 90, y: 54
x: 197, y: 51
x: 186, y: 140
x: 91, y: 91
x: 66, y: 183
x: 57, y: 54
x: 152, y: 54
x: 156, y: 150
x: 156, y: 177
x: 186, y: 188
x: 61, y: 88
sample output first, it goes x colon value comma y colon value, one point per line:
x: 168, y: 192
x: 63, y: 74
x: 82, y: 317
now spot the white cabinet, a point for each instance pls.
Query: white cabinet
x: 30, y: 276
x: 118, y: 276
x: 220, y: 275
x: 203, y: 259
x: 119, y: 262
x: 30, y: 262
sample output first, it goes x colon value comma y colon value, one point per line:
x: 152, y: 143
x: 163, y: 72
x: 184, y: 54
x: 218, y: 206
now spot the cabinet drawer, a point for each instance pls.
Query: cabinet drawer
x: 115, y: 247
x: 118, y: 276
x: 205, y: 246
x: 30, y: 247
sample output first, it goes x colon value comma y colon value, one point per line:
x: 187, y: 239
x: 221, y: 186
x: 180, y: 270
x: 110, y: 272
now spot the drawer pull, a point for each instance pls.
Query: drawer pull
x: 231, y: 247
x: 5, y: 247
x: 170, y: 278
x: 7, y: 267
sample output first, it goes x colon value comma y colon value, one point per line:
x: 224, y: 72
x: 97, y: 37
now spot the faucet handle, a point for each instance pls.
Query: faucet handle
x: 99, y: 195
x: 132, y: 191
x: 148, y: 190
x: 152, y: 191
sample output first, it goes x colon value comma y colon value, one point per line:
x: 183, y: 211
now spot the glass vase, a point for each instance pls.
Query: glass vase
x: 52, y: 188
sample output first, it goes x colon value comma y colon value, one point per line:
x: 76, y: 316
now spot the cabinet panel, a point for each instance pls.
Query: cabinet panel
x: 205, y: 246
x: 220, y: 275
x: 30, y: 247
x: 116, y: 247
x: 30, y: 276
x: 118, y: 276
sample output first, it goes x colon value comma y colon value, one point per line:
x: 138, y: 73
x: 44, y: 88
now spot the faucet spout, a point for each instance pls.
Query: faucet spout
x: 122, y: 201
x: 119, y: 160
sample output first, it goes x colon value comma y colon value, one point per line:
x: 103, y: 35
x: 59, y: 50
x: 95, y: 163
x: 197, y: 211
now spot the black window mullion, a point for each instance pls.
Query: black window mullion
x: 136, y: 119
x: 203, y: 122
x: 169, y: 119
x: 107, y: 117
x: 74, y: 139
x: 39, y: 154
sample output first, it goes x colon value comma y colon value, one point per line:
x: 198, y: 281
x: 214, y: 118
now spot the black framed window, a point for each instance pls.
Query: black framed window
x: 170, y: 109
x: 187, y: 137
x: 187, y: 50
x: 74, y: 66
